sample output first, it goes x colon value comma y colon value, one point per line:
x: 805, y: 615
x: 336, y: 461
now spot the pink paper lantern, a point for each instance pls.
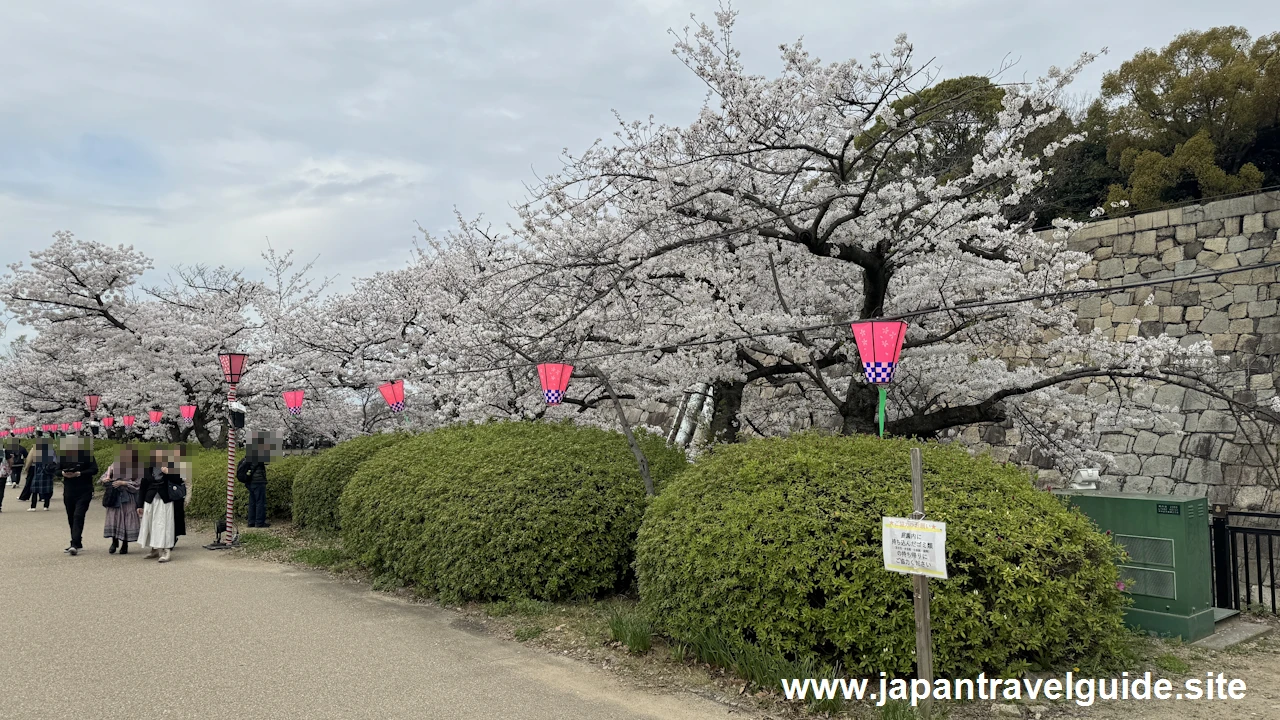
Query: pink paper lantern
x: 128, y: 420
x: 555, y: 381
x: 232, y: 366
x: 155, y: 416
x: 92, y: 402
x: 879, y: 346
x: 293, y: 400
x: 13, y: 420
x: 188, y: 412
x: 77, y: 425
x: 107, y: 422
x: 393, y: 393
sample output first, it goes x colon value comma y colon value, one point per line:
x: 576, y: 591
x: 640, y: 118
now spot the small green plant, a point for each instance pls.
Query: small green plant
x: 260, y: 542
x: 631, y: 630
x: 386, y: 583
x: 525, y: 633
x: 680, y: 652
x: 320, y: 557
x: 517, y: 606
x: 1172, y: 663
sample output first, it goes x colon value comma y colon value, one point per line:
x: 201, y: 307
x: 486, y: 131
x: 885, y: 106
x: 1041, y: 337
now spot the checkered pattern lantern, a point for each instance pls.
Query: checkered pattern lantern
x: 77, y: 426
x: 107, y: 422
x: 879, y: 347
x: 155, y: 416
x: 555, y: 381
x: 293, y: 400
x: 127, y: 420
x: 92, y: 401
x: 13, y: 420
x: 393, y: 393
x: 188, y: 413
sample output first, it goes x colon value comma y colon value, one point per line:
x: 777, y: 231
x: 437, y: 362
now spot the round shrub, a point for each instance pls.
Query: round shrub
x: 207, y: 496
x: 776, y: 544
x: 503, y: 510
x: 318, y: 488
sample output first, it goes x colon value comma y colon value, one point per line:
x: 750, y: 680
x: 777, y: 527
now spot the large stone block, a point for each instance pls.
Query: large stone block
x: 1137, y: 484
x: 1209, y: 228
x: 1272, y: 220
x: 1251, y: 497
x: 1157, y: 465
x: 1191, y: 489
x: 1254, y: 223
x: 1162, y: 486
x: 1115, y: 443
x: 1111, y: 268
x: 1170, y: 444
x: 1216, y: 244
x: 1200, y: 470
x: 1215, y: 322
x: 1127, y: 464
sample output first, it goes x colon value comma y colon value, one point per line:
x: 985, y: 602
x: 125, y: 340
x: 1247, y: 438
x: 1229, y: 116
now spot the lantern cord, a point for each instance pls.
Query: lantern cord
x: 968, y: 305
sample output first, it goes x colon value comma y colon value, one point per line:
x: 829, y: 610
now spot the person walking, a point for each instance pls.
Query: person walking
x: 123, y: 480
x: 40, y: 474
x: 79, y: 471
x: 156, y: 492
x: 15, y: 457
x: 252, y: 471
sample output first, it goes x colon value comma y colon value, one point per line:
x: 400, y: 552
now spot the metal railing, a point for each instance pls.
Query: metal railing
x: 1243, y: 548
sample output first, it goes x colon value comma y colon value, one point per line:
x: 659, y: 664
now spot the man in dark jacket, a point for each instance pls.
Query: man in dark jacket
x: 79, y: 472
x: 15, y: 456
x: 252, y: 471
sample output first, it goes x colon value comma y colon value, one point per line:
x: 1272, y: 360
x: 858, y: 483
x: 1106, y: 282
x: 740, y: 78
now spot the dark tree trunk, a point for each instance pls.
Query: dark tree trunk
x: 726, y: 400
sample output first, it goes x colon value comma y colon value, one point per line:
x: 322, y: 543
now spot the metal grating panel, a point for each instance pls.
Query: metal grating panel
x: 1148, y: 550
x: 1156, y: 583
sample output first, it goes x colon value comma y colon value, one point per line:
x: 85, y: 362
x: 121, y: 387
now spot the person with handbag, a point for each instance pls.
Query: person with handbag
x: 79, y: 470
x: 15, y: 456
x: 40, y: 474
x: 157, y: 492
x: 123, y: 480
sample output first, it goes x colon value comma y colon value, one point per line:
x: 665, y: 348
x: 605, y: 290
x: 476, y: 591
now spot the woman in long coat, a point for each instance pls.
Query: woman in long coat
x: 40, y: 474
x: 125, y: 478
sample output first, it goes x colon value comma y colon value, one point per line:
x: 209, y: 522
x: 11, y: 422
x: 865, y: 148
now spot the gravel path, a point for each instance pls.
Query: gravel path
x: 104, y: 636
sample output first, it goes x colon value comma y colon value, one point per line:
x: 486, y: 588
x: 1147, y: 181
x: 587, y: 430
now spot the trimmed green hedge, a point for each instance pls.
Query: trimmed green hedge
x: 318, y: 488
x: 503, y: 510
x: 777, y: 543
x: 208, y: 492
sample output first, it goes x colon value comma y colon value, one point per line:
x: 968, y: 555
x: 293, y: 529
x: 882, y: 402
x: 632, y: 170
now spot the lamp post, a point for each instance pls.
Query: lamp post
x: 232, y: 369
x: 92, y: 402
x: 880, y: 346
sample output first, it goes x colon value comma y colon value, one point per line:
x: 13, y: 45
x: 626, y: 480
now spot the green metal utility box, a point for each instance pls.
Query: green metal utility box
x: 1167, y: 539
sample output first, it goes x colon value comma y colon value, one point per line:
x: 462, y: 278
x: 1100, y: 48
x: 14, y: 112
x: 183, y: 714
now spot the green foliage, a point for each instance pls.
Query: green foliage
x: 1200, y: 116
x: 320, y: 485
x: 776, y: 544
x: 501, y: 510
x: 208, y: 493
x: 320, y: 557
x: 256, y: 542
x: 517, y: 606
x: 1172, y: 663
x: 631, y: 630
x: 525, y: 633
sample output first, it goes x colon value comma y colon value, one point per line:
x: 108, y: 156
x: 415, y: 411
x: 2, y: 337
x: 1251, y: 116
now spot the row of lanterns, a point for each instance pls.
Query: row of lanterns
x: 879, y: 348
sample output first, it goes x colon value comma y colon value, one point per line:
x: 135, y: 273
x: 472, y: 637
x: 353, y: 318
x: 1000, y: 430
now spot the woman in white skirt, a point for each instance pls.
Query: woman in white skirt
x: 158, y: 529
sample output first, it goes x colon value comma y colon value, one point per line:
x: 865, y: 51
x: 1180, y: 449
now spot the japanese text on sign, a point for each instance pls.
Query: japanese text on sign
x: 915, y: 547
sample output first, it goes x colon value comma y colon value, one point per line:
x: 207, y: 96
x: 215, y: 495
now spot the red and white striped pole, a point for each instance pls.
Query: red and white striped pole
x: 231, y: 468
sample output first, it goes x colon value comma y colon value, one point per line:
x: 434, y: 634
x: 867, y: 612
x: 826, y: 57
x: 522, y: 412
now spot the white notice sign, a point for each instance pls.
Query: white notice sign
x: 915, y: 547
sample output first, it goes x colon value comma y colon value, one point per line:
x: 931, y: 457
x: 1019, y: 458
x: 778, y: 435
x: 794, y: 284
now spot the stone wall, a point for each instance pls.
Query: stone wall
x: 1202, y: 446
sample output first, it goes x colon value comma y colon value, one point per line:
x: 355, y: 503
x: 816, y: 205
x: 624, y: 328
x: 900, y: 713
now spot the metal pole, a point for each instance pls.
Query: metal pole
x: 231, y: 465
x: 1221, y: 541
x: 920, y: 586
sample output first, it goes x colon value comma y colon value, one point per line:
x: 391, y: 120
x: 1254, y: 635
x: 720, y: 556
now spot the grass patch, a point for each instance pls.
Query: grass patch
x: 1172, y: 664
x: 260, y: 542
x: 902, y: 710
x: 524, y: 607
x: 631, y: 630
x: 318, y: 557
x: 529, y: 632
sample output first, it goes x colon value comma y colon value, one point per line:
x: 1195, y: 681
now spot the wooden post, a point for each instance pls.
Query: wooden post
x: 920, y: 584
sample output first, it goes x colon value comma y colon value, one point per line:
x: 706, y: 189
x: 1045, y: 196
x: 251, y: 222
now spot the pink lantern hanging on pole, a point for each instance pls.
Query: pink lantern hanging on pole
x: 393, y: 393
x: 13, y: 420
x: 108, y: 422
x: 879, y: 347
x: 63, y: 427
x: 155, y: 416
x: 188, y: 413
x: 293, y: 400
x: 555, y: 381
x: 127, y: 420
x: 77, y: 426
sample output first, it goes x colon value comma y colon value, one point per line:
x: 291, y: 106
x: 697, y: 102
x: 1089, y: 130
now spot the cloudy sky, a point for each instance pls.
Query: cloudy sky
x: 196, y: 130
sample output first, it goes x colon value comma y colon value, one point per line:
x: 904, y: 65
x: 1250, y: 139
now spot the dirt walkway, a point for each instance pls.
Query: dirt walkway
x: 104, y: 636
